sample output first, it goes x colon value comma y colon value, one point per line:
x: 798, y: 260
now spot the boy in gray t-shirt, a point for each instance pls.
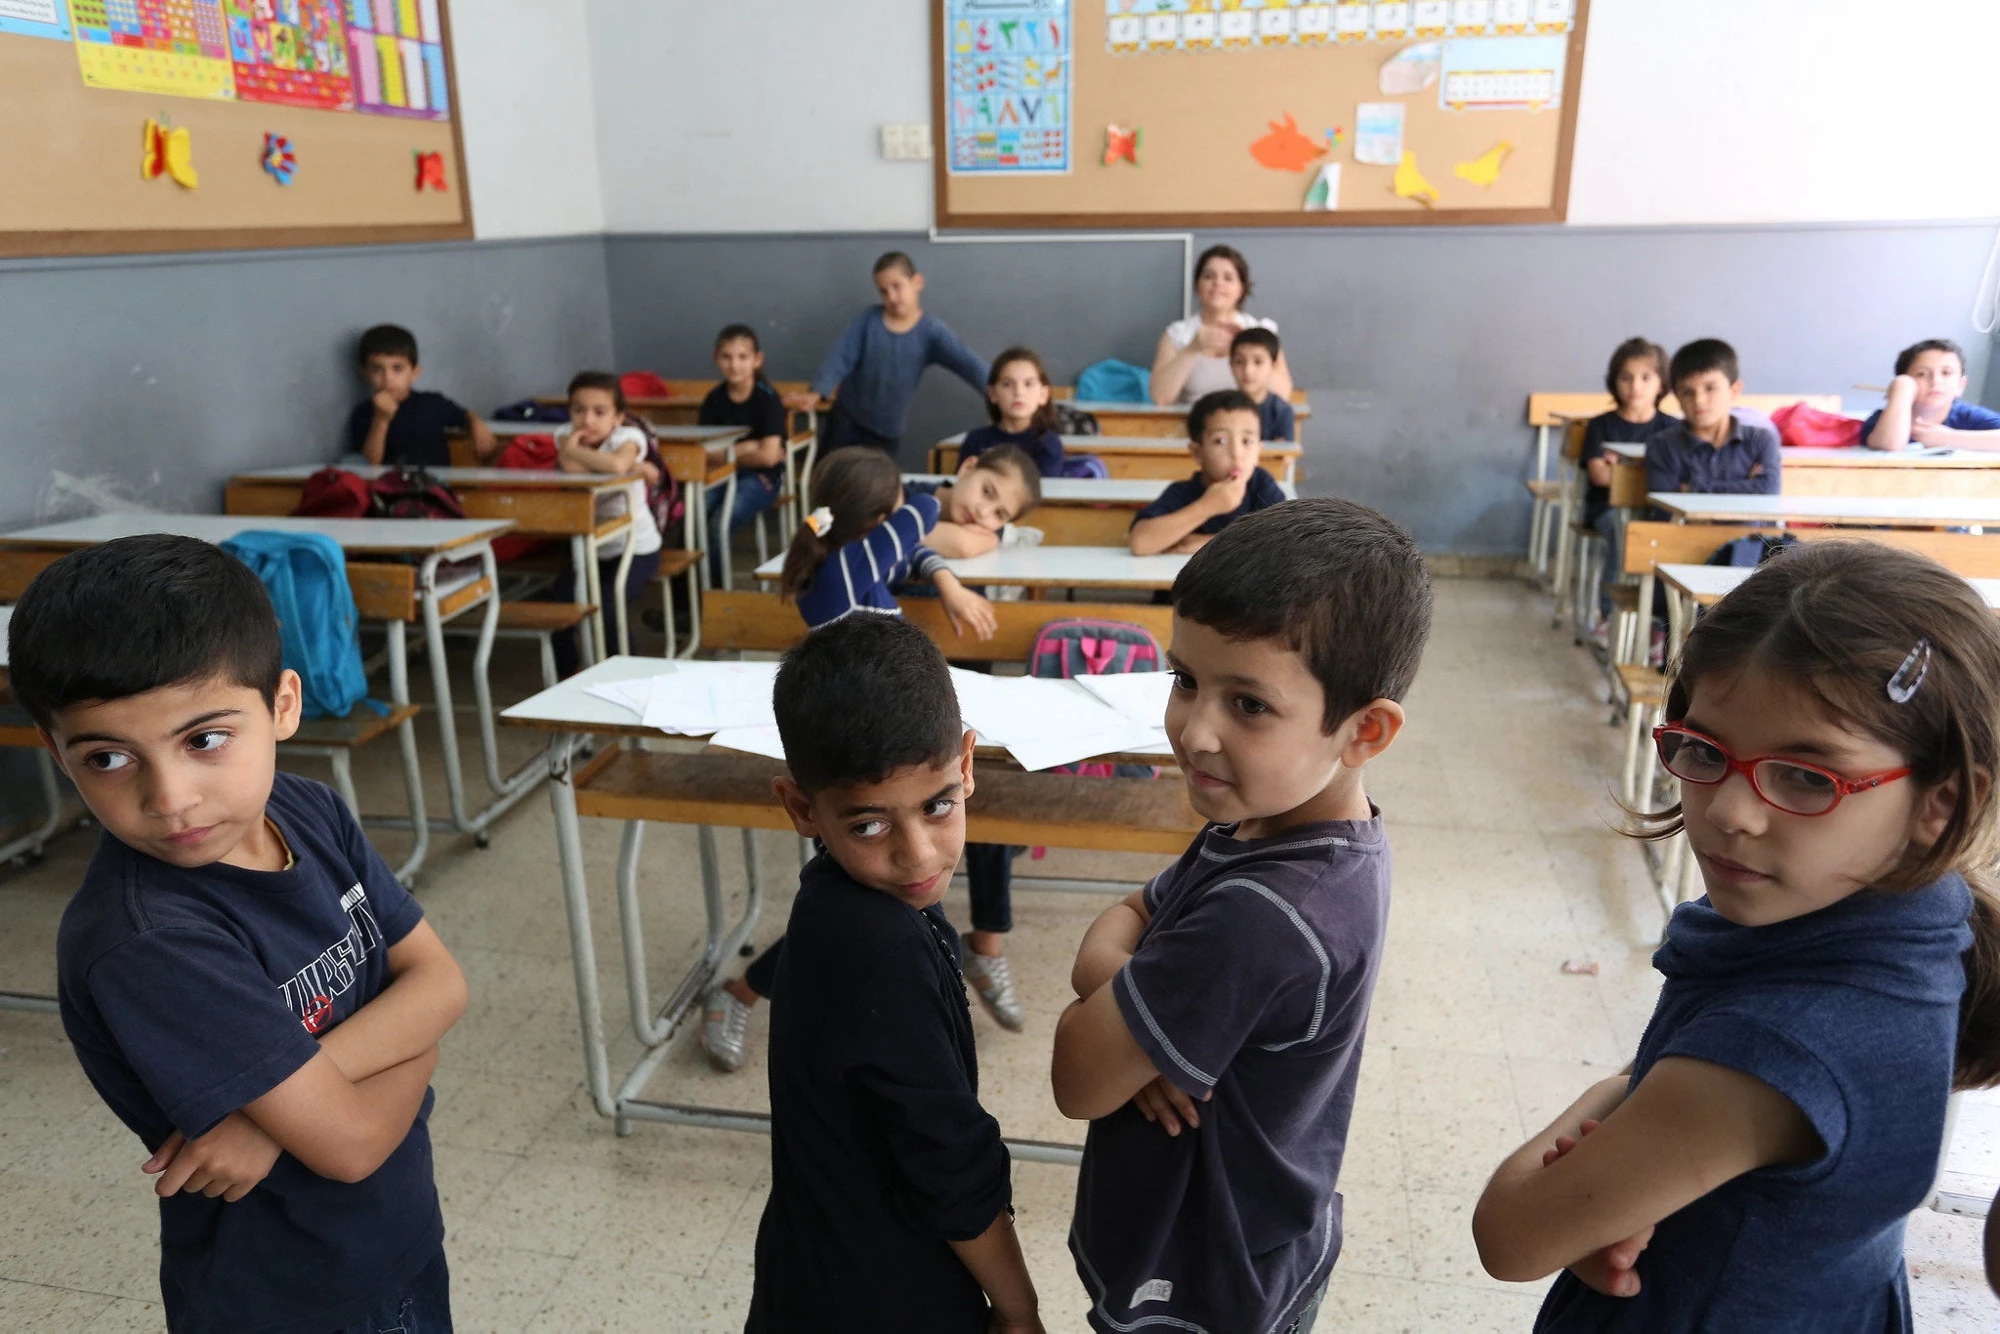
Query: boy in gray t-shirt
x: 1216, y: 1041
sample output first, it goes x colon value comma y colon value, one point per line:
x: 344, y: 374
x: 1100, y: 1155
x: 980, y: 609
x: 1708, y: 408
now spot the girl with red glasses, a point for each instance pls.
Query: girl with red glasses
x: 1835, y: 725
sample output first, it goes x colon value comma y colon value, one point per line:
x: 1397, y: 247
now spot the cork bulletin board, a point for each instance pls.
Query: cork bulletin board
x: 1253, y: 113
x: 160, y: 125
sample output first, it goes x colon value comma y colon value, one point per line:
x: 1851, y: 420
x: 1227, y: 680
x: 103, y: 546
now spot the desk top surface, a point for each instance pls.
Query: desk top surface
x: 1709, y: 584
x: 1903, y: 511
x: 665, y: 434
x: 475, y: 479
x: 1856, y: 457
x: 1051, y: 567
x: 1096, y: 407
x: 1136, y: 444
x: 353, y: 535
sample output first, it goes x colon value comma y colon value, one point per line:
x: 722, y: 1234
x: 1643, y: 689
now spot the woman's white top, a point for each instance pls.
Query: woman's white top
x: 645, y: 533
x: 1209, y: 373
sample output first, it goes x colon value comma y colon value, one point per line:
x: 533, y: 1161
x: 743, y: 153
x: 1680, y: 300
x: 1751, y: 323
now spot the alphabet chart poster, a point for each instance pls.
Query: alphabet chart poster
x: 289, y: 51
x: 170, y: 48
x: 396, y: 49
x: 1007, y: 101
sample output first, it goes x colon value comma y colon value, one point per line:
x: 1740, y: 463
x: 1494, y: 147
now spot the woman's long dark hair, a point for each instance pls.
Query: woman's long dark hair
x: 1839, y: 619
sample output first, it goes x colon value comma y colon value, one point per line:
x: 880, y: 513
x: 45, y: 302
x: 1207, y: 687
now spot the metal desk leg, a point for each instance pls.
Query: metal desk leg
x: 728, y: 512
x: 31, y: 843
x: 619, y: 578
x: 583, y: 555
x: 513, y: 787
x: 576, y: 903
x: 696, y: 519
x: 406, y: 742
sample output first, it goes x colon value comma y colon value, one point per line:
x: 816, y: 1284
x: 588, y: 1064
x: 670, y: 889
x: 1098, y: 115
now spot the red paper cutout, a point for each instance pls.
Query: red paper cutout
x: 1121, y: 145
x: 1284, y: 148
x: 430, y: 171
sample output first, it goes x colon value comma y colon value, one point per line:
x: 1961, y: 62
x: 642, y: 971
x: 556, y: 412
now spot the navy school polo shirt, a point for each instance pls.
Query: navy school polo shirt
x: 1262, y: 493
x: 416, y: 435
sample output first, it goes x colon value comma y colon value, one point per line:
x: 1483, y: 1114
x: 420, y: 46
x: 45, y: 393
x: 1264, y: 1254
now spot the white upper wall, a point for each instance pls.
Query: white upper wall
x: 525, y: 108
x: 762, y: 115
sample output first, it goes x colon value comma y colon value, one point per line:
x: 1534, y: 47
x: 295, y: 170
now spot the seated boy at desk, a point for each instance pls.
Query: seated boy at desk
x: 1225, y: 435
x: 400, y: 424
x: 989, y: 492
x: 1711, y: 450
x: 244, y: 982
x: 1924, y: 408
x: 890, y: 1187
x: 1253, y: 356
x: 1215, y: 1044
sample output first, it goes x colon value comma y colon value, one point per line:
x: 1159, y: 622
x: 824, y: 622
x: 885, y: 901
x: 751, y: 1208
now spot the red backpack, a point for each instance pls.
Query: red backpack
x: 1067, y: 649
x: 411, y: 493
x: 333, y: 493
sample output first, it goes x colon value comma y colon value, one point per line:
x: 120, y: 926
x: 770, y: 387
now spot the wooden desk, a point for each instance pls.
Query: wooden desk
x: 761, y: 622
x: 1705, y: 585
x: 1050, y: 567
x: 1088, y: 511
x: 1151, y: 419
x: 1158, y: 457
x: 540, y: 504
x: 1850, y: 472
x: 734, y: 791
x: 441, y: 591
x: 1839, y: 511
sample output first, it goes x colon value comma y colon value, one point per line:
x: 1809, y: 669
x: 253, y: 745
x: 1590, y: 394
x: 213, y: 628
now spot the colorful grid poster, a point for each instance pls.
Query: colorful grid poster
x: 1137, y: 26
x: 396, y: 58
x: 35, y: 18
x: 1008, y: 94
x: 292, y: 52
x: 170, y: 48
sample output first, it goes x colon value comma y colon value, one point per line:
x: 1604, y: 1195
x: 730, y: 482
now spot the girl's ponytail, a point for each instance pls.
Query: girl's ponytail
x: 854, y: 488
x: 1978, y: 1063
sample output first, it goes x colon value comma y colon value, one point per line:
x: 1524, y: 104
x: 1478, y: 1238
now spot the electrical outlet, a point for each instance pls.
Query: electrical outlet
x: 893, y: 142
x: 907, y: 142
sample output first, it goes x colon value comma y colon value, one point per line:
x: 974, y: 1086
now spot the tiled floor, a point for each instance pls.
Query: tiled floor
x: 1497, y: 803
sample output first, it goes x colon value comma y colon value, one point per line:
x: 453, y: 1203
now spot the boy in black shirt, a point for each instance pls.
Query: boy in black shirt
x: 402, y: 425
x: 744, y: 398
x: 1637, y: 380
x: 244, y: 982
x: 890, y: 1190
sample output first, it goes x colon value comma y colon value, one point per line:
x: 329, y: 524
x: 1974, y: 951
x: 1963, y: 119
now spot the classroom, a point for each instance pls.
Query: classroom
x: 1007, y: 665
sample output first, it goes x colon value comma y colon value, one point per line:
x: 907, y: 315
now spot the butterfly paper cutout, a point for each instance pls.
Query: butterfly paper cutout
x: 1121, y: 144
x: 430, y: 171
x: 169, y: 152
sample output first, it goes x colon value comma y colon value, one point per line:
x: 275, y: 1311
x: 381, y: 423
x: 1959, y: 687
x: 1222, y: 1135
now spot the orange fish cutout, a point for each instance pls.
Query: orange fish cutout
x: 1121, y: 144
x: 1284, y: 148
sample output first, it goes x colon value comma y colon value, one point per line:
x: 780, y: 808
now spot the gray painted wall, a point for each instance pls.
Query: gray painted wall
x: 159, y: 377
x: 1419, y: 345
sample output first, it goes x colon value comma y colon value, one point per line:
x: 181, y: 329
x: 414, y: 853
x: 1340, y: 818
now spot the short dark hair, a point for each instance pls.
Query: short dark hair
x: 1702, y: 356
x: 1908, y: 356
x: 895, y: 259
x: 389, y: 340
x: 1222, y: 400
x: 1637, y: 349
x: 1230, y: 253
x: 1256, y: 336
x: 1020, y: 461
x: 1339, y: 584
x: 861, y: 697
x: 138, y: 613
x: 604, y: 380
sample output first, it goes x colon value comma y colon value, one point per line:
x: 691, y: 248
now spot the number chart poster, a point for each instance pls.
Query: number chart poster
x: 1008, y: 108
x: 171, y: 48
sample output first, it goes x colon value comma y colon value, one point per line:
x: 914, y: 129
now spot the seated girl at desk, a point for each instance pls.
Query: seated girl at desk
x: 600, y: 437
x: 865, y: 536
x: 1017, y: 402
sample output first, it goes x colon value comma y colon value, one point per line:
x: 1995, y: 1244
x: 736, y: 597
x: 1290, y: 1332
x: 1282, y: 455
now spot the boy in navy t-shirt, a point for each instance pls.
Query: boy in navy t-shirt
x: 1253, y: 356
x: 1924, y: 408
x: 1226, y: 438
x: 400, y: 424
x: 1216, y: 1042
x: 744, y: 398
x: 244, y: 982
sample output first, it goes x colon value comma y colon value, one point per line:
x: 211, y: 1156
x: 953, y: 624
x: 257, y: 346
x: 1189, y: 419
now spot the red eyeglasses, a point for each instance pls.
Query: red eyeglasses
x: 1792, y: 786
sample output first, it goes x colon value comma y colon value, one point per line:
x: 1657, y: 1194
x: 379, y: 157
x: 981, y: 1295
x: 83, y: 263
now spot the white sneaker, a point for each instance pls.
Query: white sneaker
x: 725, y: 1022
x: 993, y: 982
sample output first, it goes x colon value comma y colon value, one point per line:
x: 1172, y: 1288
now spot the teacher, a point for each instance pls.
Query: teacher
x: 1193, y: 356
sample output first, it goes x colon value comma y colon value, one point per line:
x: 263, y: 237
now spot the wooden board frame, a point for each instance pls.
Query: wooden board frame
x: 28, y: 244
x: 950, y: 220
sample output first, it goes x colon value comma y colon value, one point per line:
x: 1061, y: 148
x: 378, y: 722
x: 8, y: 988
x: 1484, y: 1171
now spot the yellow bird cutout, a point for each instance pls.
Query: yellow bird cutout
x: 1410, y: 183
x: 1484, y: 169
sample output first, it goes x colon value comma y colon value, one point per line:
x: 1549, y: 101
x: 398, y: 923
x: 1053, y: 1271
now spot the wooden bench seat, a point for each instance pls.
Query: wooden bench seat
x: 358, y: 728
x: 1044, y: 809
x: 544, y: 617
x: 1643, y: 686
x: 676, y: 562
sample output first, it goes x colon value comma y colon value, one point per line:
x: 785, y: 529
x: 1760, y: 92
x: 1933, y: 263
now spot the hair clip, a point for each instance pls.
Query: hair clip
x: 1916, y: 666
x: 820, y: 521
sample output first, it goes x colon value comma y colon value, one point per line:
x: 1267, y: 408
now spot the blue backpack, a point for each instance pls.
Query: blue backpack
x: 306, y: 576
x: 1114, y: 381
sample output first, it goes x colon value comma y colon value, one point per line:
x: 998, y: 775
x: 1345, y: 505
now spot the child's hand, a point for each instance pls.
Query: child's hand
x: 1188, y: 545
x: 385, y: 404
x: 1166, y: 1106
x: 1757, y: 470
x: 1225, y: 496
x: 228, y: 1161
x: 800, y: 400
x: 1213, y: 340
x: 1610, y: 1270
x: 963, y: 608
x: 649, y: 472
x: 1926, y: 433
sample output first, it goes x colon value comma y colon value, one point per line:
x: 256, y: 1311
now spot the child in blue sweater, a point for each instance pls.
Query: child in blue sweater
x: 878, y: 360
x: 1834, y: 723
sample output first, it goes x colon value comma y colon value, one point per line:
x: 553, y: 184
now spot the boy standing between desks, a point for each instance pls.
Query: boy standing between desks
x: 890, y: 1188
x: 244, y: 982
x: 400, y: 424
x: 1216, y: 1041
x: 1226, y: 437
x: 1711, y: 450
x: 878, y: 360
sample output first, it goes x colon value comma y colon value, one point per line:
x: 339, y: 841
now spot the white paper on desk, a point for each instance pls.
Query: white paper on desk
x: 983, y: 704
x: 1138, y: 696
x: 632, y: 695
x: 1057, y: 748
x: 698, y: 698
x: 751, y: 740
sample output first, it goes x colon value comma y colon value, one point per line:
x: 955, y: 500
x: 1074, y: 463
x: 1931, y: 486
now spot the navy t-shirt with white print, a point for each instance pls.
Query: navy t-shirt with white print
x: 1251, y: 982
x: 188, y: 993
